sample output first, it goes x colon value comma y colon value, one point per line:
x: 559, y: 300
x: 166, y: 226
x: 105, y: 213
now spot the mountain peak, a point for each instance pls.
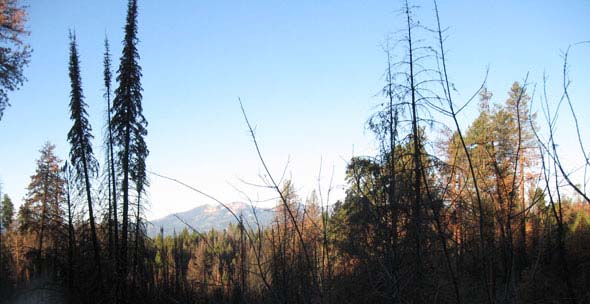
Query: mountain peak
x: 206, y: 217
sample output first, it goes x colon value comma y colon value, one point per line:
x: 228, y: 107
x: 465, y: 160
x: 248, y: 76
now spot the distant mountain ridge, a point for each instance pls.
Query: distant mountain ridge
x: 206, y: 217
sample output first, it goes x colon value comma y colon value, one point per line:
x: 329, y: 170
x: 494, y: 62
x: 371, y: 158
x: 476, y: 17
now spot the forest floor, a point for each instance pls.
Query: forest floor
x: 42, y: 290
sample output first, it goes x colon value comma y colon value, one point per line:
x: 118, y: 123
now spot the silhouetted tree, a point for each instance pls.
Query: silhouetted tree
x: 68, y: 176
x: 112, y: 182
x: 129, y: 125
x: 79, y: 136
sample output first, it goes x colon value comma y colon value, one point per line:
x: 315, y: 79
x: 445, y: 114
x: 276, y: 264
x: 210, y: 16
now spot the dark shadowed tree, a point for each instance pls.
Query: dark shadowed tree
x: 129, y: 125
x: 113, y: 221
x: 81, y: 154
x: 68, y: 174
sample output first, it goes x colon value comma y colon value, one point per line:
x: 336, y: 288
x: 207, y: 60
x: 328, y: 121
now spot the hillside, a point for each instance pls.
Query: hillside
x: 206, y: 217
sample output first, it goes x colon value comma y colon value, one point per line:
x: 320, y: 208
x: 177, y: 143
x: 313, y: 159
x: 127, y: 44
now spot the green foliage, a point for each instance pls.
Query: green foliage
x: 128, y: 123
x: 45, y: 191
x: 80, y: 135
x: 410, y: 228
x: 14, y: 53
x: 7, y: 214
x: 129, y: 127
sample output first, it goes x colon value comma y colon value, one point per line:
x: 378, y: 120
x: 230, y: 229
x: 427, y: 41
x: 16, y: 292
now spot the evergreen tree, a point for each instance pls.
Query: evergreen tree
x: 14, y: 53
x: 525, y: 148
x: 7, y: 212
x: 24, y: 218
x: 41, y: 211
x: 6, y: 262
x: 129, y: 125
x: 113, y: 221
x: 81, y: 154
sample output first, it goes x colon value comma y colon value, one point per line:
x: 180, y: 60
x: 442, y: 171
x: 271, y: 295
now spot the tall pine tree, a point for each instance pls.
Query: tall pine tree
x: 129, y: 125
x: 113, y: 221
x: 81, y: 154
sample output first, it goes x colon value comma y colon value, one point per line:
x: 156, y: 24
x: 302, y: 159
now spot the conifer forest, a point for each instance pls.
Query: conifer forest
x: 451, y: 208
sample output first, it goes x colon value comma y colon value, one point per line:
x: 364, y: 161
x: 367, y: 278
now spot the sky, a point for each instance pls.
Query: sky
x: 308, y: 73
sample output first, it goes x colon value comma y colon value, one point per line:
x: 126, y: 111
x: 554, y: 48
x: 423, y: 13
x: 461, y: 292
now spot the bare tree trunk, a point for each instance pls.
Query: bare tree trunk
x: 122, y: 265
x: 523, y: 259
x: 557, y: 213
x: 447, y: 90
x: 71, y: 240
x: 417, y: 204
x: 113, y: 177
x: 441, y: 235
x: 285, y: 204
x: 392, y: 209
x: 110, y: 213
x: 243, y: 260
x: 43, y: 215
x: 137, y: 240
x: 92, y: 223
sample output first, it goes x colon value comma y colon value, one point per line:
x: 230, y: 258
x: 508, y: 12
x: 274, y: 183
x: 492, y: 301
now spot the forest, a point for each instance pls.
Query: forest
x: 445, y: 213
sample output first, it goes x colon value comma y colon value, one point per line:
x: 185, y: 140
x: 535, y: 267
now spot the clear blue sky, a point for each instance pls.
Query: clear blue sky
x: 308, y: 73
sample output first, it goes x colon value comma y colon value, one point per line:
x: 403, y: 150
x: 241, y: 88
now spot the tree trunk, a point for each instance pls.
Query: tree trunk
x: 92, y: 223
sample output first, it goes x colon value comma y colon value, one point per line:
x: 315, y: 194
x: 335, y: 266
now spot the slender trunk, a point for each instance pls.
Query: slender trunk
x: 242, y: 260
x: 137, y: 237
x: 416, y: 212
x: 557, y: 214
x: 523, y: 236
x: 561, y: 235
x: 122, y: 275
x: 510, y: 263
x: 113, y: 177
x: 443, y: 240
x: 327, y: 280
x: 114, y: 225
x: 43, y: 215
x: 92, y: 223
x: 71, y: 240
x: 392, y: 210
x: 110, y: 212
x: 447, y: 88
x: 1, y: 223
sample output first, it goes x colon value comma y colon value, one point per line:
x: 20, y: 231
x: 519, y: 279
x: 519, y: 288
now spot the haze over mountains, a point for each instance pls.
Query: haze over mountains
x: 206, y: 217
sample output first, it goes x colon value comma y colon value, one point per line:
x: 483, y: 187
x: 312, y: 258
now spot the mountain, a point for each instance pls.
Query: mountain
x: 206, y: 217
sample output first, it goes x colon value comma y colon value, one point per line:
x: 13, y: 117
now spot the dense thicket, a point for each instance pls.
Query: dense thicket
x: 484, y: 214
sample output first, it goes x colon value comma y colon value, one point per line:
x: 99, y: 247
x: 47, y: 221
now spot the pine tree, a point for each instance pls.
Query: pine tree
x: 81, y: 154
x: 6, y: 262
x: 41, y: 211
x: 7, y: 212
x: 113, y: 221
x: 524, y: 153
x: 14, y: 53
x: 129, y: 125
